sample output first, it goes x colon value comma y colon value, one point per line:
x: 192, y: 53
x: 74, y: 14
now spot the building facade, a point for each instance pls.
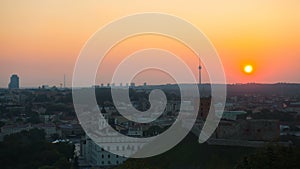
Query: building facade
x: 95, y: 156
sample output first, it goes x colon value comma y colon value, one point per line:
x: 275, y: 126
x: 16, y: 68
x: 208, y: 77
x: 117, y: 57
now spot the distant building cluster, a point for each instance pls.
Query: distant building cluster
x: 108, y: 85
x: 49, y: 129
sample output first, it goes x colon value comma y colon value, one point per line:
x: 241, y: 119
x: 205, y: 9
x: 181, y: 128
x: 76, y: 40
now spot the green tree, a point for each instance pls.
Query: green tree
x: 272, y: 157
x: 30, y: 150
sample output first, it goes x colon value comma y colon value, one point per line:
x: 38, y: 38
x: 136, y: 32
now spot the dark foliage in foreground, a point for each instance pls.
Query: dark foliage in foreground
x: 30, y: 150
x: 272, y: 157
x: 189, y: 154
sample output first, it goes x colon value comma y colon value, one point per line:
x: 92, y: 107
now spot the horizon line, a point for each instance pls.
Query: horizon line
x: 166, y: 84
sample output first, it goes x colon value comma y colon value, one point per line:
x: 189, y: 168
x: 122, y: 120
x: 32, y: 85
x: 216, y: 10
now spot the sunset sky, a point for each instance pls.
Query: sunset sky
x: 41, y: 40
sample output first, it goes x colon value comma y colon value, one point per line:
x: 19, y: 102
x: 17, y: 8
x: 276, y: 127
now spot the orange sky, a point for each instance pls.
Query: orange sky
x: 40, y: 40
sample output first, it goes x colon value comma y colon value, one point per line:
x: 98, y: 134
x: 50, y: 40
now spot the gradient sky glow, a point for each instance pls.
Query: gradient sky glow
x: 40, y: 40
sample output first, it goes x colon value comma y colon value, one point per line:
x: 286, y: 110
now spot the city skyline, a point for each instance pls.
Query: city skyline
x: 122, y: 84
x: 40, y: 41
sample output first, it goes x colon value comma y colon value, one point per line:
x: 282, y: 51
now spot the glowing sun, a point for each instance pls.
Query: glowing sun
x: 248, y: 69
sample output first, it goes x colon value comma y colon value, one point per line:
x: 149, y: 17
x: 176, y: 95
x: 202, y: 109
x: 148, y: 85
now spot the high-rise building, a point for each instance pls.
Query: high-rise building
x: 14, y: 82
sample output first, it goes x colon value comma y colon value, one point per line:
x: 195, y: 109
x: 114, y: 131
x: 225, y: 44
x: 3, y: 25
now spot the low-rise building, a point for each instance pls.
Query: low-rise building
x: 251, y: 130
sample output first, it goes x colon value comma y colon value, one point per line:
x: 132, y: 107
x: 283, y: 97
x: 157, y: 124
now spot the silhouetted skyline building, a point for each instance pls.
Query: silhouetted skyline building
x: 132, y: 84
x: 14, y: 82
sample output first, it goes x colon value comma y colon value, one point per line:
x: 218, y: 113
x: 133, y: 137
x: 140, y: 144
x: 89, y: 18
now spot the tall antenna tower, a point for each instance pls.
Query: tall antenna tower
x: 200, y: 74
x: 201, y: 87
x: 200, y: 67
x: 64, y: 81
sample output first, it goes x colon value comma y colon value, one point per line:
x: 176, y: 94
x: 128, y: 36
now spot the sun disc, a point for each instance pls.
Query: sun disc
x: 248, y: 69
